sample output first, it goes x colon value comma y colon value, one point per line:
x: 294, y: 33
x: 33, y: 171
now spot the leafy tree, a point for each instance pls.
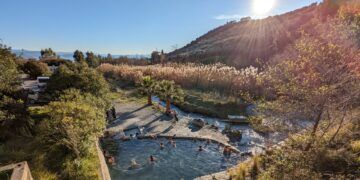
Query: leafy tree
x: 350, y: 14
x: 158, y: 57
x: 169, y: 91
x: 155, y: 57
x: 14, y: 118
x: 314, y: 81
x: 109, y: 57
x: 79, y: 57
x: 86, y: 79
x: 8, y: 70
x: 55, y: 61
x: 13, y: 115
x: 162, y: 57
x: 47, y: 53
x: 148, y: 87
x: 92, y: 60
x: 35, y: 68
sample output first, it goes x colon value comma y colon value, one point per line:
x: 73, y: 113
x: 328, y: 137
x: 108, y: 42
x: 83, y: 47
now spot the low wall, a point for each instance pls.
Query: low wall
x: 104, y: 170
x: 223, y: 175
x: 20, y: 171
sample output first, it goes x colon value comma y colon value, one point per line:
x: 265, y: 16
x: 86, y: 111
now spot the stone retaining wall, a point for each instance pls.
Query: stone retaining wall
x: 104, y: 170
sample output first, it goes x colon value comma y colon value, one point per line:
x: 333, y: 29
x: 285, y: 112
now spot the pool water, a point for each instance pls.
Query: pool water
x: 182, y: 162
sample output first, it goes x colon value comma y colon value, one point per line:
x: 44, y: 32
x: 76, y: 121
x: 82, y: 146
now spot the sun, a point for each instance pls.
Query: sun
x: 261, y: 7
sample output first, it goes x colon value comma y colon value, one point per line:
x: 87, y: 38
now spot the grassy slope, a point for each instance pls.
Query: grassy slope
x: 240, y: 43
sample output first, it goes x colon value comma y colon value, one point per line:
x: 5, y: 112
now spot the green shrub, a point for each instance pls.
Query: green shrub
x: 82, y: 168
x: 36, y: 68
x: 355, y: 146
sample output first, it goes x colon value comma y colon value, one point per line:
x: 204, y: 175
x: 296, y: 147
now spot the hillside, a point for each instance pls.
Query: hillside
x: 240, y: 43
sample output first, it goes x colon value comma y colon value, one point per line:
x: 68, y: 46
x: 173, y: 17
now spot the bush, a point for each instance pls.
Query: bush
x: 9, y: 73
x: 14, y: 118
x: 68, y: 134
x: 36, y: 68
x: 85, y: 79
x: 82, y: 168
x: 77, y: 131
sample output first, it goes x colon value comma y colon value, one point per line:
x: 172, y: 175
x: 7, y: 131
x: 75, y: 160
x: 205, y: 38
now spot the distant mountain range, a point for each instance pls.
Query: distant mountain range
x: 68, y: 55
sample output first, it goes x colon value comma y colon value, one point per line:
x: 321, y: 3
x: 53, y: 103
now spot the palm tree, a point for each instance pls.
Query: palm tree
x: 169, y: 91
x: 147, y: 87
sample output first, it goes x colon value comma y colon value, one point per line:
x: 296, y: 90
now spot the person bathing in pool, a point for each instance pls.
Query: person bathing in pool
x: 152, y: 159
x: 134, y: 164
x: 172, y: 142
x: 162, y: 146
x: 208, y: 142
x: 112, y: 161
x: 227, y: 151
x: 200, y: 148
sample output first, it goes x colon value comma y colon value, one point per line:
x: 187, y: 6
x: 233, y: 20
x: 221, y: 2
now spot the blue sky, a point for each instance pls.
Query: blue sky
x: 120, y: 26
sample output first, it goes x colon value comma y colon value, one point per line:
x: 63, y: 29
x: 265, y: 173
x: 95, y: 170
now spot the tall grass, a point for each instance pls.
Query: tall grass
x: 217, y: 77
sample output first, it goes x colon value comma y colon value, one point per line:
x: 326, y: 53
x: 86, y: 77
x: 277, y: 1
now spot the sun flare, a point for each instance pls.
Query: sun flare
x: 261, y: 7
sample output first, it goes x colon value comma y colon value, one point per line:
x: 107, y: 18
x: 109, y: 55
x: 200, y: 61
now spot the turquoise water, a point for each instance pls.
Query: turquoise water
x: 182, y: 162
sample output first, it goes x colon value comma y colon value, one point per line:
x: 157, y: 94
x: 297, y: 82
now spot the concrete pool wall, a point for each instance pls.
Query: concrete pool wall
x: 103, y: 170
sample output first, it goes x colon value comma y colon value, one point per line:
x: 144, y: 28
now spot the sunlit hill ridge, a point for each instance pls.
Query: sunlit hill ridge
x: 241, y: 43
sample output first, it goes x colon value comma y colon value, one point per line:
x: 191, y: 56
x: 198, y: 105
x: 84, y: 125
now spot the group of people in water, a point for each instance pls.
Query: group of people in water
x: 111, y: 159
x: 152, y: 159
x: 135, y: 165
x: 227, y: 149
x: 171, y: 142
